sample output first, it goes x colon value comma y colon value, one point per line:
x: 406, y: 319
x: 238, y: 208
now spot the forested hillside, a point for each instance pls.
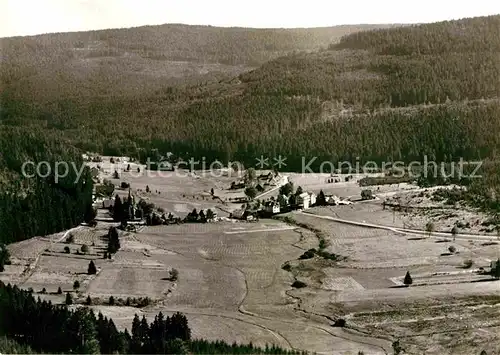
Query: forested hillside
x: 140, y: 60
x: 39, y: 205
x: 60, y: 91
x: 356, y: 99
x: 388, y: 94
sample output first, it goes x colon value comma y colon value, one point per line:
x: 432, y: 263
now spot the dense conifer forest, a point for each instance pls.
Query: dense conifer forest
x: 396, y: 93
x: 39, y: 205
x: 28, y: 325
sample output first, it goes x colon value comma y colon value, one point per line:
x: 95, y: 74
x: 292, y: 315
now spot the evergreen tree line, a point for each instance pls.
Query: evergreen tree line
x: 43, y: 327
x: 479, y: 34
x: 39, y: 205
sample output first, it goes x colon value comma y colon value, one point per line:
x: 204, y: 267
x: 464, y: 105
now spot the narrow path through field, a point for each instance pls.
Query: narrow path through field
x: 31, y: 267
x: 406, y: 231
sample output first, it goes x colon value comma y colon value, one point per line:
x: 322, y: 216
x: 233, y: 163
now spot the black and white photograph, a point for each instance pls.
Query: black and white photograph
x: 265, y: 177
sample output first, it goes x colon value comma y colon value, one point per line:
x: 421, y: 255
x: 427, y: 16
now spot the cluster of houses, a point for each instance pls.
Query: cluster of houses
x: 283, y: 203
x: 303, y: 201
x: 264, y: 180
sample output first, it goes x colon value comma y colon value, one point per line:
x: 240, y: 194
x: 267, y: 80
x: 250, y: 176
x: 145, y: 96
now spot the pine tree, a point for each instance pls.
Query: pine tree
x: 408, y: 280
x: 90, y: 213
x: 92, y: 270
x: 321, y: 200
x: 113, y: 241
x: 69, y: 299
x: 496, y: 270
x: 118, y: 209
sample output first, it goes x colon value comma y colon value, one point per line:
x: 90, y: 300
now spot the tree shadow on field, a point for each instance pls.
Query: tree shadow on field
x: 417, y: 238
x: 488, y: 244
x: 484, y: 280
x: 399, y: 286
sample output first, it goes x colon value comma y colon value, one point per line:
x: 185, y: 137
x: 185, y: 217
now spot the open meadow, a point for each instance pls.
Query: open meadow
x: 235, y: 278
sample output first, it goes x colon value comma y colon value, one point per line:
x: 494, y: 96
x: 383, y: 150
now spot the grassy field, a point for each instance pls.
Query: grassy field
x: 232, y: 286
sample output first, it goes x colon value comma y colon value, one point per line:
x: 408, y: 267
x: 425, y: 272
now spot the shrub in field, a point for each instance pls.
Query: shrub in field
x: 408, y: 280
x: 67, y: 250
x: 339, y: 323
x: 142, y: 302
x: 468, y: 263
x: 308, y: 254
x: 111, y: 301
x: 396, y: 346
x: 88, y: 301
x: 44, y: 291
x: 287, y: 267
x: 84, y: 249
x: 124, y: 185
x: 59, y: 291
x: 76, y: 285
x: 452, y: 249
x: 322, y: 244
x: 299, y: 284
x: 174, y: 275
x: 327, y: 255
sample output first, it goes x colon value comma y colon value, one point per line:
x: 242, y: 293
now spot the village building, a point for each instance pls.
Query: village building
x: 313, y: 198
x: 272, y: 207
x: 303, y: 200
x: 108, y: 203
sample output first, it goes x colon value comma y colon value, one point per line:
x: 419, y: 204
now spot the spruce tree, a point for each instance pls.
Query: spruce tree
x: 69, y: 299
x: 118, y: 209
x: 113, y: 241
x: 321, y: 200
x: 92, y: 270
x: 408, y: 280
x: 496, y: 270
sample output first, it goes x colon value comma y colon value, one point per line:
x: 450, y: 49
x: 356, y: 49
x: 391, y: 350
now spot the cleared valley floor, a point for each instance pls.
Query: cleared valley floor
x: 231, y: 284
